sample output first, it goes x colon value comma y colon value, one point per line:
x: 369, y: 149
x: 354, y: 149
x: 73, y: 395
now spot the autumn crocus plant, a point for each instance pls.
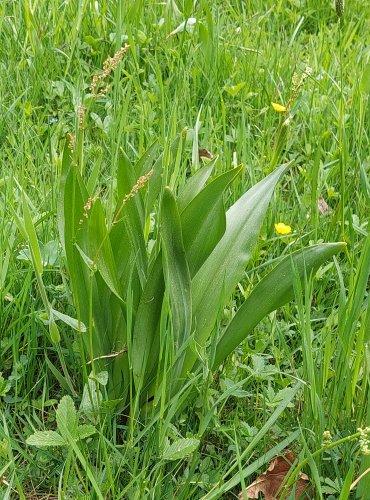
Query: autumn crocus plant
x: 148, y: 285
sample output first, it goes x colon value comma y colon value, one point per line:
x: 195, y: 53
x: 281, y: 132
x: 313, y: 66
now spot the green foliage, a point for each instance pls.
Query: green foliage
x: 4, y: 385
x: 180, y: 448
x: 68, y: 427
x: 303, y: 371
x: 198, y: 258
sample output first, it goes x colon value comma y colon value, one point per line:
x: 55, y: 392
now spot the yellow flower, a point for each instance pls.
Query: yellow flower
x: 278, y: 107
x: 282, y: 228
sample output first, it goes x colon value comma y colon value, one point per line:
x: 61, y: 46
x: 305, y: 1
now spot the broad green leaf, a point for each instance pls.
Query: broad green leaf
x: 66, y: 416
x: 345, y: 491
x: 132, y: 215
x: 72, y: 322
x: 31, y: 236
x: 72, y: 198
x: 89, y: 262
x: 272, y: 292
x: 219, y: 275
x: 176, y: 270
x: 46, y: 438
x: 147, y: 318
x: 84, y: 431
x: 93, y: 238
x: 180, y: 448
x: 194, y: 185
x: 204, y: 220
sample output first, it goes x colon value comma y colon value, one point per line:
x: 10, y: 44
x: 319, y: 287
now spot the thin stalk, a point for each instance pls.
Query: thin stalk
x: 292, y: 476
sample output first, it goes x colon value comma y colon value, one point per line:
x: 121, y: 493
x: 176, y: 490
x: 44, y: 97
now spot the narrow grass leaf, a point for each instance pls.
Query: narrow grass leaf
x: 272, y: 292
x: 252, y: 468
x: 58, y: 375
x: 31, y: 236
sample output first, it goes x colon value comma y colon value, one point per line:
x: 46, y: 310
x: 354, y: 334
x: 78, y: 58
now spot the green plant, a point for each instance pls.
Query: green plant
x: 70, y: 433
x: 220, y: 78
x: 68, y: 427
x: 151, y: 298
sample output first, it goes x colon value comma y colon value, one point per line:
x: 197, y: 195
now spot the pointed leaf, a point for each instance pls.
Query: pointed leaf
x: 66, y: 416
x: 91, y: 399
x: 158, y: 178
x: 176, y: 270
x: 147, y: 318
x: 144, y: 164
x: 133, y: 213
x: 31, y: 236
x: 194, y: 185
x: 72, y: 198
x: 220, y: 273
x: 72, y: 322
x: 93, y: 238
x: 272, y: 292
x: 204, y: 220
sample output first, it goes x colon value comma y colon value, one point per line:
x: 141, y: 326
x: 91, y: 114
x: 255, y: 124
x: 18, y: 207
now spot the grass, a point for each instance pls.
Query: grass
x: 305, y: 369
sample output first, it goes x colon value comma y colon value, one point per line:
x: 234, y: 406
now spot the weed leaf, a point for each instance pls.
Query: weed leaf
x: 45, y: 438
x: 180, y: 448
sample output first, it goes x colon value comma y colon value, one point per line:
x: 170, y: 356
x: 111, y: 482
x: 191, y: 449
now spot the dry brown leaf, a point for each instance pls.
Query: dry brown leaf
x: 323, y: 206
x: 270, y: 481
x: 204, y: 153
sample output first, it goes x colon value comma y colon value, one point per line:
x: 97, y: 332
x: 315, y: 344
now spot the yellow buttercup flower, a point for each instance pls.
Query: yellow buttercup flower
x: 278, y: 107
x: 282, y: 228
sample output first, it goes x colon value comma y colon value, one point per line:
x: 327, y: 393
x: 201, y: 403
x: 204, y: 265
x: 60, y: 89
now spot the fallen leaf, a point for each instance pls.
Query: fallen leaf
x: 323, y: 206
x: 204, y: 153
x: 270, y: 481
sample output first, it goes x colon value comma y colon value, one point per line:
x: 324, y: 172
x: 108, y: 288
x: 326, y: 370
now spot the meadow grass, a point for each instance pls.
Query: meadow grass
x: 305, y: 368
